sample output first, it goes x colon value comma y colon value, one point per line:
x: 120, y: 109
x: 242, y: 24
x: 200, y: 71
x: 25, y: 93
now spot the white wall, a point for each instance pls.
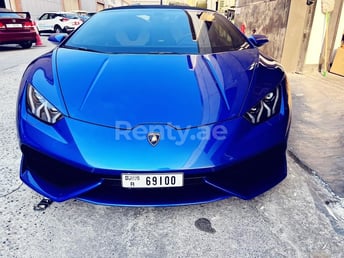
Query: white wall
x: 114, y: 3
x: 87, y: 5
x: 340, y: 30
x: 211, y: 4
x: 147, y: 2
x: 317, y: 37
x: 38, y: 7
x: 8, y: 4
x: 91, y: 6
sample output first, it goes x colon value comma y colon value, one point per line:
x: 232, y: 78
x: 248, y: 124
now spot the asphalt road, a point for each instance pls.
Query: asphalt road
x: 298, y: 218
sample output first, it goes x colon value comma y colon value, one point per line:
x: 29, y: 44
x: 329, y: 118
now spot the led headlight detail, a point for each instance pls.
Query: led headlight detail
x: 266, y: 108
x: 40, y: 107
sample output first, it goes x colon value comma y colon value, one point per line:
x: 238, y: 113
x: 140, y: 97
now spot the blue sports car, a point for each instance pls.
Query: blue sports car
x: 153, y: 106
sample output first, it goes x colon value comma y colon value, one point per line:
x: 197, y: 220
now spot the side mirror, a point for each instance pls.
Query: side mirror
x: 57, y: 38
x: 258, y: 40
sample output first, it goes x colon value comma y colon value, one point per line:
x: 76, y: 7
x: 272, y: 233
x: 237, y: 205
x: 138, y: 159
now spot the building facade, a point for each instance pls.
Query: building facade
x: 302, y: 36
x: 37, y: 7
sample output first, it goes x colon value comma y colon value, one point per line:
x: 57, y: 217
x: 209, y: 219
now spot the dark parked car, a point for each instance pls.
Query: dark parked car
x: 16, y: 28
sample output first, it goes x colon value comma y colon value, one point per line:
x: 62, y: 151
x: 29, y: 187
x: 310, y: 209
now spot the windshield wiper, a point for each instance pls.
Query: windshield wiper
x: 82, y: 49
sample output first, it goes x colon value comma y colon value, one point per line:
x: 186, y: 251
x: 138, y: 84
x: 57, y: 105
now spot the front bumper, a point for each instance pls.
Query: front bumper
x: 17, y: 37
x: 73, y: 159
x: 245, y: 180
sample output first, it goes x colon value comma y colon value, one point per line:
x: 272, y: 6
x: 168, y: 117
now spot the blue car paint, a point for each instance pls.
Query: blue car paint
x: 88, y: 146
x: 84, y: 154
x: 181, y: 90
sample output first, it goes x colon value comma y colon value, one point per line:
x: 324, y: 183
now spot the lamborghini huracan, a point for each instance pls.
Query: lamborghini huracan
x: 153, y: 106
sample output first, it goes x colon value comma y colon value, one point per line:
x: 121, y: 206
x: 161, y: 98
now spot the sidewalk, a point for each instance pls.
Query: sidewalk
x: 317, y: 132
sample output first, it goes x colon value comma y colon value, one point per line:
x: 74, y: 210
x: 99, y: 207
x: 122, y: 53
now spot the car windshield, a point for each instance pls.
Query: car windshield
x: 69, y: 15
x: 149, y: 30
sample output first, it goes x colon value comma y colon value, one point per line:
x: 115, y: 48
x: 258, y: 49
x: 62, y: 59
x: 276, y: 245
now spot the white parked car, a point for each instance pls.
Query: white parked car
x: 58, y: 22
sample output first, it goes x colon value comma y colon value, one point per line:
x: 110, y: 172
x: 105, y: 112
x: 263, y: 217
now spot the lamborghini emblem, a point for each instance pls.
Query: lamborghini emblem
x: 153, y: 138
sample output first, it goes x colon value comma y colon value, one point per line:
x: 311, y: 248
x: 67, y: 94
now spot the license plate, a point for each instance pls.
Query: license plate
x: 152, y: 180
x: 14, y: 25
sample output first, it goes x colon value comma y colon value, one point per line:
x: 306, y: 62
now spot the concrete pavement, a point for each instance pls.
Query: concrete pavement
x: 317, y: 133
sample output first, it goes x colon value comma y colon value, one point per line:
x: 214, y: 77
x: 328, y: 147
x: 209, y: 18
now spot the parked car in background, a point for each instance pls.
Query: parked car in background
x: 16, y: 28
x: 83, y: 15
x: 58, y: 22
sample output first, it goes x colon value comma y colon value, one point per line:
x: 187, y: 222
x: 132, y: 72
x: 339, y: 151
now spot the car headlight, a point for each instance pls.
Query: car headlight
x: 266, y: 108
x: 41, y: 108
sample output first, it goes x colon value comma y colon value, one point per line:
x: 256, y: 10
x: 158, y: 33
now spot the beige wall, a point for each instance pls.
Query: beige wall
x: 340, y: 33
x: 100, y: 6
x: 265, y: 17
x: 70, y: 5
x: 294, y: 35
x: 298, y: 57
x: 38, y: 7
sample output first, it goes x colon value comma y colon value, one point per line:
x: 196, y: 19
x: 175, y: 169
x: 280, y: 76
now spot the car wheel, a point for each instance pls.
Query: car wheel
x: 57, y: 29
x: 26, y: 44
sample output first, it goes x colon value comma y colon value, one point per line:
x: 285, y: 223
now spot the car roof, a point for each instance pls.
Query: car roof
x: 181, y: 7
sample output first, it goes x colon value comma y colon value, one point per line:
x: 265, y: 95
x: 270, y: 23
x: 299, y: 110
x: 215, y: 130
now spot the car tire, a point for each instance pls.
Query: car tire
x: 58, y: 29
x: 26, y: 44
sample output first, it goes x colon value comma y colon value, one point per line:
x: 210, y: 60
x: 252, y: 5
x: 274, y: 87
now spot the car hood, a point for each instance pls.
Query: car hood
x: 127, y: 90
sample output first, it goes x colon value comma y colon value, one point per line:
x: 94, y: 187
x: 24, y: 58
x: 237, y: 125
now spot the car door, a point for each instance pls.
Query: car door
x: 46, y: 22
x: 52, y: 21
x: 43, y: 22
